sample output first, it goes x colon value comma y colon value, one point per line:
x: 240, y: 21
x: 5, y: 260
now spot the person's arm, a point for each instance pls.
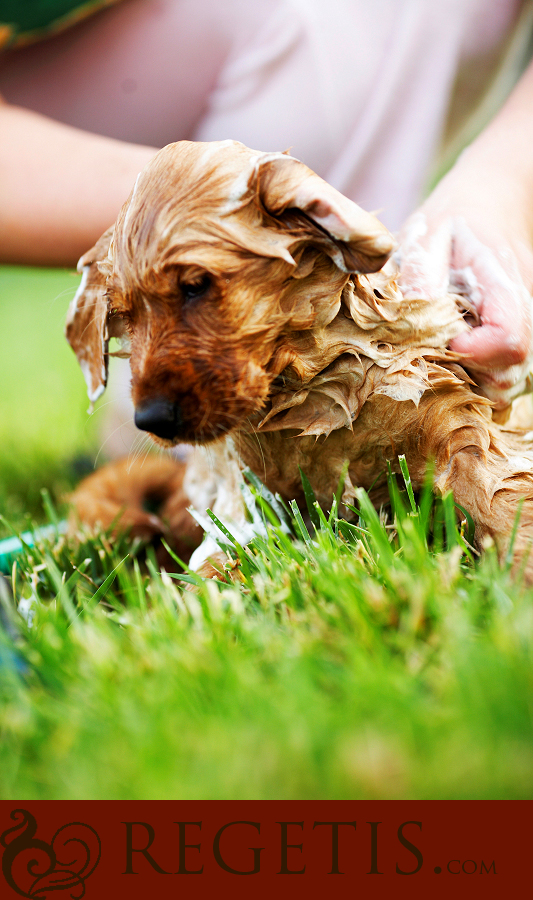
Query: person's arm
x: 475, y: 233
x: 60, y: 187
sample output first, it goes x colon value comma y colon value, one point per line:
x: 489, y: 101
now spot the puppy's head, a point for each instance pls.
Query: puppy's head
x: 218, y: 255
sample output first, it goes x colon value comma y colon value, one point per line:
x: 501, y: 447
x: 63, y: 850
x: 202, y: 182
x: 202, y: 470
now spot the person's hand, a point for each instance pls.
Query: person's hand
x: 472, y: 236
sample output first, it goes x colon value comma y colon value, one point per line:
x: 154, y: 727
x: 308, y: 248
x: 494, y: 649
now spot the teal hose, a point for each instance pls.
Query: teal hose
x: 11, y: 547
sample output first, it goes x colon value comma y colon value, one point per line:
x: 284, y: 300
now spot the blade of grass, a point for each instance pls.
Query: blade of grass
x: 469, y: 521
x: 375, y: 528
x: 304, y: 534
x: 274, y: 501
x: 407, y: 479
x: 106, y: 584
x: 514, y: 532
x: 310, y: 499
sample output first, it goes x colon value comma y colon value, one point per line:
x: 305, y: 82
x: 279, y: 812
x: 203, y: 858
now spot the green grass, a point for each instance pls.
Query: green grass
x: 44, y: 427
x: 378, y: 659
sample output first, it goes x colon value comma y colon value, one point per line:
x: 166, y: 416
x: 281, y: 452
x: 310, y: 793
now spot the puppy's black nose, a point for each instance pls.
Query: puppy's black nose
x: 160, y: 417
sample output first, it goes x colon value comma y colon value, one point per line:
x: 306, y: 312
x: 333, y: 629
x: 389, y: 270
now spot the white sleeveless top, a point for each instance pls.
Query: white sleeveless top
x: 358, y: 89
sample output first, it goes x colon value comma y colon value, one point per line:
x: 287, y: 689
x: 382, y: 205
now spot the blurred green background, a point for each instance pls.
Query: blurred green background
x: 46, y: 437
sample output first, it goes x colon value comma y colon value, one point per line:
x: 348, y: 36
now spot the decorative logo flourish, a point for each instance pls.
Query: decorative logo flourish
x: 33, y: 868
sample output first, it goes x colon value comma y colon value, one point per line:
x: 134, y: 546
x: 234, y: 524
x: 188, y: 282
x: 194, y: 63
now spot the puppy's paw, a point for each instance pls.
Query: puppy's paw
x: 218, y: 566
x: 215, y: 567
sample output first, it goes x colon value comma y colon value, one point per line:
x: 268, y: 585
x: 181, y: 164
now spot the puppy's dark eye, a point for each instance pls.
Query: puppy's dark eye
x: 194, y: 289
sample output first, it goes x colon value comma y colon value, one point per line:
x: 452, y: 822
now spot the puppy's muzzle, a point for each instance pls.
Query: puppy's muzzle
x: 160, y: 417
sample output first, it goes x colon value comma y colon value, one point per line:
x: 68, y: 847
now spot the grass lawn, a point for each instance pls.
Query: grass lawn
x: 380, y: 660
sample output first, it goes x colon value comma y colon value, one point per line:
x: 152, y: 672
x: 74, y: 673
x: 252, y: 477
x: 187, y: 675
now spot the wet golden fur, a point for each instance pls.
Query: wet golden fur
x: 298, y: 351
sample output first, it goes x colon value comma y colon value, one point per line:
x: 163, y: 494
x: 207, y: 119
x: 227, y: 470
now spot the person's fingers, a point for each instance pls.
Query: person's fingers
x: 496, y: 290
x: 492, y: 351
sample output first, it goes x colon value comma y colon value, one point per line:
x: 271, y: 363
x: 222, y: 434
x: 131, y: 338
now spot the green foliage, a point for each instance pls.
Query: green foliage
x: 332, y: 658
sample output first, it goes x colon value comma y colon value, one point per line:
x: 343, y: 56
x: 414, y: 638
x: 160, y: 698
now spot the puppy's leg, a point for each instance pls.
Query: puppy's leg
x: 489, y: 470
x: 495, y: 485
x: 146, y: 496
x: 213, y: 480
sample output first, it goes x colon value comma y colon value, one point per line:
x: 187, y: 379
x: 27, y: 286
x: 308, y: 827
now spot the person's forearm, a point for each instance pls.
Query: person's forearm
x: 499, y: 162
x: 474, y: 235
x: 60, y: 187
x: 509, y: 136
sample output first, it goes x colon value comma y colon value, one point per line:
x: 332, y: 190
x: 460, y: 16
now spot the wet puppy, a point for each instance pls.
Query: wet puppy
x: 264, y: 324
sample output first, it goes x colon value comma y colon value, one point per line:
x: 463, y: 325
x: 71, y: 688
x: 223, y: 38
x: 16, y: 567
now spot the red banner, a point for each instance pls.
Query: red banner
x: 144, y: 849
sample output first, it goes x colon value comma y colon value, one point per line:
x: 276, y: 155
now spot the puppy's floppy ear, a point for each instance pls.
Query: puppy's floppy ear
x: 356, y: 240
x: 87, y: 318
